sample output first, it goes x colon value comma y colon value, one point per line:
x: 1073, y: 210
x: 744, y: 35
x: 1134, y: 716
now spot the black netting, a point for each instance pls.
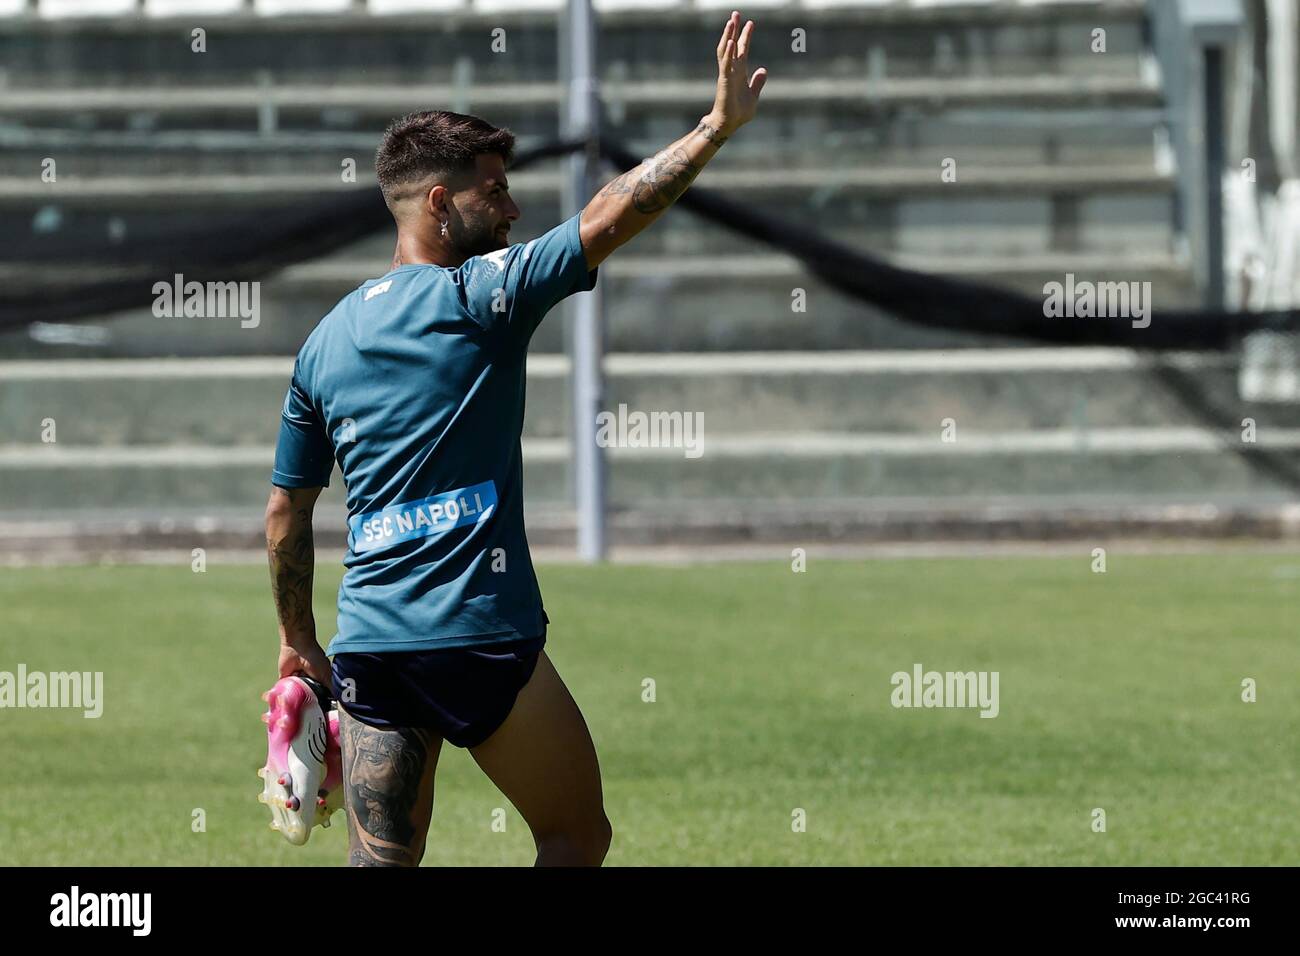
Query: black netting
x: 243, y: 246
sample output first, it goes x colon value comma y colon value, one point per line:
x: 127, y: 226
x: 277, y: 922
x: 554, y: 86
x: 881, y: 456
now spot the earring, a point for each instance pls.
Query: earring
x: 444, y: 230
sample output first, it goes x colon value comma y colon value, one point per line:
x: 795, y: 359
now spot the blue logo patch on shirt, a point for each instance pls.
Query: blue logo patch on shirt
x: 420, y: 519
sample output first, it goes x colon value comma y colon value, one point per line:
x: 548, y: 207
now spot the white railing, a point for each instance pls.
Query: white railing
x: 64, y: 9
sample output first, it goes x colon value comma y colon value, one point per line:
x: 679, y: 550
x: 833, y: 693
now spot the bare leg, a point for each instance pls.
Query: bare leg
x: 387, y: 791
x: 543, y: 760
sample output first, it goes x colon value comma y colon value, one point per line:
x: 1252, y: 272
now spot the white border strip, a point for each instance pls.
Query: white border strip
x: 668, y: 364
x: 1063, y: 441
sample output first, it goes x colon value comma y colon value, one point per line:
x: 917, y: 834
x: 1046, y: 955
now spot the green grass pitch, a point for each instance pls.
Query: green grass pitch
x: 1119, y: 691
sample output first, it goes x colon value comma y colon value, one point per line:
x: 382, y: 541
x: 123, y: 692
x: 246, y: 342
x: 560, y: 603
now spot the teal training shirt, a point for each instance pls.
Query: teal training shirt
x: 414, y: 384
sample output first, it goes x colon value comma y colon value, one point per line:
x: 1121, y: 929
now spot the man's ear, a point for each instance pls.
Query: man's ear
x: 435, y: 201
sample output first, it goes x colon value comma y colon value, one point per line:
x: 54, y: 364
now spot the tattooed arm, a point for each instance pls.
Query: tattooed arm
x: 292, y: 556
x: 637, y: 198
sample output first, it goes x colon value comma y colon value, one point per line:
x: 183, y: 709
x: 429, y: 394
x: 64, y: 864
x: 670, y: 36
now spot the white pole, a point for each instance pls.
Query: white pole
x: 1282, y: 83
x: 586, y: 341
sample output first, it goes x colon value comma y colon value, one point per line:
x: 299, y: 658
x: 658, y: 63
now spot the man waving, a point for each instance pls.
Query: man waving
x: 414, y: 385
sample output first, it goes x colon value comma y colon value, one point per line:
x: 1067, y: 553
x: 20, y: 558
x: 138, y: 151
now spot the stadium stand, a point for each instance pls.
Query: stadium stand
x: 824, y: 423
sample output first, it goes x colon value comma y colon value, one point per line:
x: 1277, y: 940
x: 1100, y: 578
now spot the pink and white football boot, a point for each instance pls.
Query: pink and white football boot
x: 302, y: 781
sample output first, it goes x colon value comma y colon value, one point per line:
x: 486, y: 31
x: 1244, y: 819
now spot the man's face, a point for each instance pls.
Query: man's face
x: 480, y: 213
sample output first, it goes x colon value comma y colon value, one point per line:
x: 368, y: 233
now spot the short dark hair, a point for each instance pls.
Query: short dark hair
x: 435, y: 143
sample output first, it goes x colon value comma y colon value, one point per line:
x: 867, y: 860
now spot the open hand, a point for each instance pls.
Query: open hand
x: 736, y: 100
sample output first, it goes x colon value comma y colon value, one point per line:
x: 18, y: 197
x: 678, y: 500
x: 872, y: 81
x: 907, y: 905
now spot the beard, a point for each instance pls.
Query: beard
x: 476, y: 238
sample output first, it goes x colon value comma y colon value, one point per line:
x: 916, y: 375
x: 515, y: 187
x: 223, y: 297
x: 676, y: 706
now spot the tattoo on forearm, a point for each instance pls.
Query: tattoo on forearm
x: 293, y: 562
x: 658, y: 182
x: 620, y: 186
x: 385, y: 795
x: 712, y: 134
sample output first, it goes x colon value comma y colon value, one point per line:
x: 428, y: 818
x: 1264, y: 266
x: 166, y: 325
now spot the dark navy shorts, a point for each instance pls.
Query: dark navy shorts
x: 462, y: 693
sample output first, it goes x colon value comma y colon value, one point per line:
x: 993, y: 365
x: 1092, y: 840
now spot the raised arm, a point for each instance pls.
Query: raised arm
x: 291, y: 553
x: 635, y: 199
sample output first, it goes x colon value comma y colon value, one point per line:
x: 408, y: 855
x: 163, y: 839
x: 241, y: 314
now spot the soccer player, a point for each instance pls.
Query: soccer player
x: 414, y: 384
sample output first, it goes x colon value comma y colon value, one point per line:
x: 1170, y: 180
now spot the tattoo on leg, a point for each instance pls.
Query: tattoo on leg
x: 382, y: 775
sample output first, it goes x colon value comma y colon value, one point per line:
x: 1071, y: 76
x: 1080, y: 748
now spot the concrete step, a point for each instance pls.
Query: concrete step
x: 659, y: 305
x: 343, y: 106
x: 652, y: 304
x: 1113, y: 218
x: 700, y: 531
x: 255, y: 190
x: 914, y: 138
x: 42, y: 481
x: 235, y: 403
x: 1124, y: 213
x: 896, y: 39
